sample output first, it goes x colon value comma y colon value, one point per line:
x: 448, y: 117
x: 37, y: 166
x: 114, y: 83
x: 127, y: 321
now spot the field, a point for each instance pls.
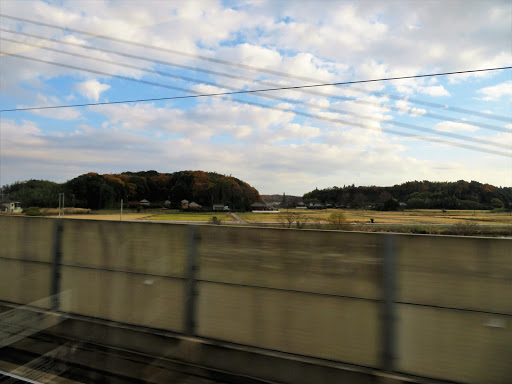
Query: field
x: 150, y: 214
x: 421, y: 216
x: 192, y: 216
x: 107, y: 216
x: 458, y: 222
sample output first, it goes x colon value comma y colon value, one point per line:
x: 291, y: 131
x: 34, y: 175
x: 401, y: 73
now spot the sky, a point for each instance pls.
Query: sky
x: 439, y: 128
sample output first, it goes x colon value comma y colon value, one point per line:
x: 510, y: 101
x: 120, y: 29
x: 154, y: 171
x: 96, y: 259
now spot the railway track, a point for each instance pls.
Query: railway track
x: 44, y: 358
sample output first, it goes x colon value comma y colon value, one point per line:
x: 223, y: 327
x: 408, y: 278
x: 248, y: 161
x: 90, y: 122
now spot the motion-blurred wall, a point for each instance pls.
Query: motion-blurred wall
x: 432, y: 306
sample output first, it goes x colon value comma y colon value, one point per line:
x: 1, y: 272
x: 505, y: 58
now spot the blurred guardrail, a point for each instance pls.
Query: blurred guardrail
x: 435, y: 307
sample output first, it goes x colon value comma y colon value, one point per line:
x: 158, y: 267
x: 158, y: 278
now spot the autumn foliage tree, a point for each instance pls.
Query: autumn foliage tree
x: 96, y: 191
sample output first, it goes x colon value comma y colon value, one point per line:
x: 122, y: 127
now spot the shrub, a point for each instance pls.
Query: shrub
x: 32, y: 211
x: 337, y: 220
x: 66, y: 211
x: 301, y: 221
x: 465, y: 229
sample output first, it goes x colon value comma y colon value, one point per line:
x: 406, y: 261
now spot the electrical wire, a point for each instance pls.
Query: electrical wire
x: 236, y: 77
x: 278, y: 73
x: 310, y: 105
x: 197, y: 95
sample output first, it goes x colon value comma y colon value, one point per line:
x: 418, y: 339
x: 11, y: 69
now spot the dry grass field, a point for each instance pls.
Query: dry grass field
x: 456, y: 222
x: 188, y: 216
x: 423, y: 216
x: 107, y: 216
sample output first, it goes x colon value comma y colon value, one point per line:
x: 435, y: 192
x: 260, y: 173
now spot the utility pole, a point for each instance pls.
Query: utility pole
x: 61, y: 204
x: 121, y: 216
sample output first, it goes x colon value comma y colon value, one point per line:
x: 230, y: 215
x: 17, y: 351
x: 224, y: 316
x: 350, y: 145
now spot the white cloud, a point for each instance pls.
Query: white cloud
x: 41, y: 100
x: 211, y: 118
x: 91, y: 89
x: 435, y: 90
x: 418, y: 111
x: 495, y: 92
x: 404, y: 107
x: 453, y: 126
x: 293, y: 132
x: 316, y: 41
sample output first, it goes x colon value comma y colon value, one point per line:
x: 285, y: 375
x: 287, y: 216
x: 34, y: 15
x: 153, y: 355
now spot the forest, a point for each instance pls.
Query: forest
x: 96, y: 191
x: 416, y: 195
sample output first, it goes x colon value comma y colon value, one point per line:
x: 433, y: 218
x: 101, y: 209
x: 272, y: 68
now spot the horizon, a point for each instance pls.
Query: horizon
x: 270, y: 194
x: 382, y: 133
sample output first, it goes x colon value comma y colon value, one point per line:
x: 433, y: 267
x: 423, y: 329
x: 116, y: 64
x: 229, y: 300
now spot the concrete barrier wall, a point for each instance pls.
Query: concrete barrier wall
x: 345, y: 264
x: 126, y: 272
x: 26, y: 254
x: 137, y: 299
x: 446, y: 313
x: 328, y: 327
x: 460, y: 346
x: 457, y: 324
x: 305, y: 292
x: 455, y: 272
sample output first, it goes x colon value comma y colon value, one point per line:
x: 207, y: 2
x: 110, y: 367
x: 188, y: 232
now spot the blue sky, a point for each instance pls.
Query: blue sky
x: 324, y: 137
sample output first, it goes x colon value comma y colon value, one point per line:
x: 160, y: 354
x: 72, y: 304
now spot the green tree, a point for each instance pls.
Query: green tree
x: 497, y: 203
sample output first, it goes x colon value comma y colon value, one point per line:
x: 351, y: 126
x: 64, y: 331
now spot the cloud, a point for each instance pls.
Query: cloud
x: 294, y: 132
x: 310, y: 42
x: 91, y: 89
x: 404, y: 107
x: 495, y: 92
x: 434, y: 90
x: 454, y: 126
x: 215, y: 117
x: 418, y: 111
x: 41, y: 100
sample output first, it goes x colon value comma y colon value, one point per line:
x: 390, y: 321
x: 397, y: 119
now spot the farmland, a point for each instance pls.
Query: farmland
x: 422, y: 216
x: 191, y: 216
x: 456, y: 222
x: 407, y: 217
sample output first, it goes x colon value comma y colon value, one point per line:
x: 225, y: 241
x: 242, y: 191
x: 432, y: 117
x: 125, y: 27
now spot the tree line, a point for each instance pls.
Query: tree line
x: 97, y: 191
x: 416, y: 195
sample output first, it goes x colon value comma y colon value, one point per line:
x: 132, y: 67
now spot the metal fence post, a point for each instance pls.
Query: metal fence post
x: 191, y: 282
x: 56, y: 264
x: 388, y: 319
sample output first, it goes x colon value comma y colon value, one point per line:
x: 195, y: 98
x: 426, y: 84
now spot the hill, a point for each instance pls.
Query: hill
x: 417, y: 195
x: 96, y: 191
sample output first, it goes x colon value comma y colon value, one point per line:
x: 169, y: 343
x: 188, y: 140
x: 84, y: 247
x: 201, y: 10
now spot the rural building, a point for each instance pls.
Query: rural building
x: 184, y: 204
x: 301, y: 205
x: 11, y: 207
x: 260, y: 207
x: 144, y: 203
x: 195, y: 206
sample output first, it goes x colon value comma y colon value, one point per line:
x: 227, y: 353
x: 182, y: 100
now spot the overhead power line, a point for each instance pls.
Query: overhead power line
x: 246, y: 91
x: 197, y: 95
x: 310, y: 105
x: 274, y: 72
x: 365, y: 102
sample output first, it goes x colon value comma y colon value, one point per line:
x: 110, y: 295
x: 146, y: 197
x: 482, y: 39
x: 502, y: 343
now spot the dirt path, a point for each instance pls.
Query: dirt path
x: 238, y: 218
